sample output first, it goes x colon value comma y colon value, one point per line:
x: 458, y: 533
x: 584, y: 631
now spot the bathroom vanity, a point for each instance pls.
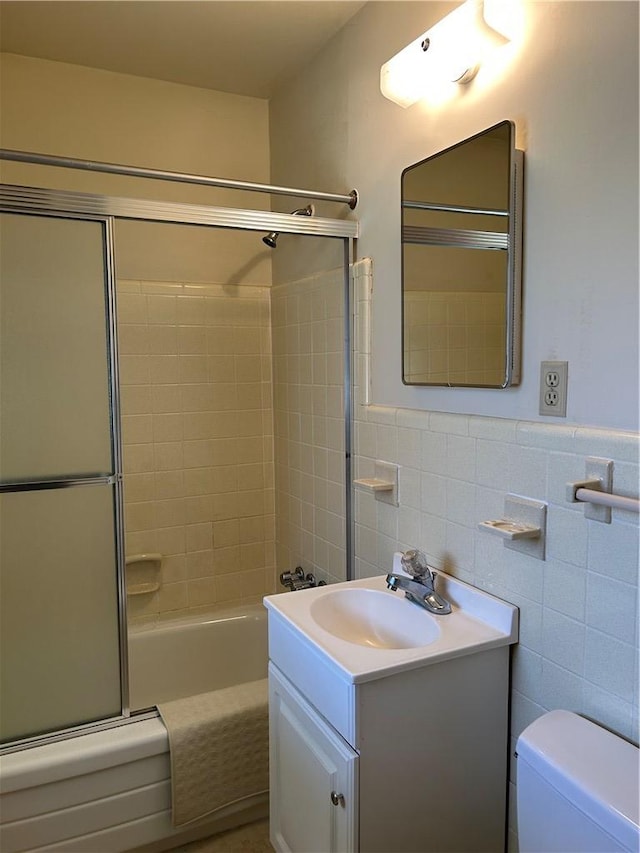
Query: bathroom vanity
x: 388, y: 726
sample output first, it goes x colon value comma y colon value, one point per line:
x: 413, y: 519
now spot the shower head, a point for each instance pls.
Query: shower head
x: 272, y: 237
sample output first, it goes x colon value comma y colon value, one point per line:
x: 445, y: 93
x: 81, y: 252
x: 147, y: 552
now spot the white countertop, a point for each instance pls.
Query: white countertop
x: 478, y: 621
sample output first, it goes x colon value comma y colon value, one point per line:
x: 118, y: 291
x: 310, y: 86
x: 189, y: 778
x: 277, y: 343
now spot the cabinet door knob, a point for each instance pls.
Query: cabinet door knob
x: 337, y: 799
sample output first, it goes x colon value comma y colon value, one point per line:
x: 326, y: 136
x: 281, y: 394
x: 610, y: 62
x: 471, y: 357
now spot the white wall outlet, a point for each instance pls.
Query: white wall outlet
x: 553, y: 388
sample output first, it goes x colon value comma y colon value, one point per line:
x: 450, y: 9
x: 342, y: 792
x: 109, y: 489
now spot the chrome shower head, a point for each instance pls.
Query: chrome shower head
x: 272, y: 237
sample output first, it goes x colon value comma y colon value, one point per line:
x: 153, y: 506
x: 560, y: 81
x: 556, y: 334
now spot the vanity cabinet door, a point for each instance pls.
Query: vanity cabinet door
x: 313, y: 777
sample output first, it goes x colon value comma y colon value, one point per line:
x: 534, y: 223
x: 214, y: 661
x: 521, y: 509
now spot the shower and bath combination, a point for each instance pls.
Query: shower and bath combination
x: 103, y: 676
x: 272, y: 237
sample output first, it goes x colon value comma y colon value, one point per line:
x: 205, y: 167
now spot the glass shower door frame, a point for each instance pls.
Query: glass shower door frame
x: 106, y: 209
x: 114, y: 478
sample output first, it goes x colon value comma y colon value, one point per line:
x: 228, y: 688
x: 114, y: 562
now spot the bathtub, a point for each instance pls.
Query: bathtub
x: 111, y: 790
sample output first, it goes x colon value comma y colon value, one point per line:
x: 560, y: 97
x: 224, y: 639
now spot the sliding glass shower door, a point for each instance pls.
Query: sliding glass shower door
x: 233, y: 387
x: 59, y: 587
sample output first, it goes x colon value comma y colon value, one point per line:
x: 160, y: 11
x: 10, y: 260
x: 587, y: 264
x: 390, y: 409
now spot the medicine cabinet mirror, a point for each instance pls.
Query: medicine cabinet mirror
x: 461, y: 263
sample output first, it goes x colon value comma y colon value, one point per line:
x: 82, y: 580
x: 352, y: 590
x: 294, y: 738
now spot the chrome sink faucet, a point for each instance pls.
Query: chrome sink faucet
x: 421, y: 589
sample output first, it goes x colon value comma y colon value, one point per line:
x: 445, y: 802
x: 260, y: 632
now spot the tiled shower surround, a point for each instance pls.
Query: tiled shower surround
x: 308, y: 368
x: 197, y: 421
x: 197, y: 362
x: 579, y: 639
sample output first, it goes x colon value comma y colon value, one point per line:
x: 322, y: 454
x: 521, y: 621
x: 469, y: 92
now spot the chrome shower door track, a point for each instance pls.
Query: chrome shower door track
x: 34, y: 199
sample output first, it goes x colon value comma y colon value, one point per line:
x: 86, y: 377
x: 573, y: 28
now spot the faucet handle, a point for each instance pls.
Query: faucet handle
x: 414, y: 563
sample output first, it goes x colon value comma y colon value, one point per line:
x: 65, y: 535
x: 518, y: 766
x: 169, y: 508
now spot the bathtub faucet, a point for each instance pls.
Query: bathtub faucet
x: 420, y: 588
x: 297, y: 579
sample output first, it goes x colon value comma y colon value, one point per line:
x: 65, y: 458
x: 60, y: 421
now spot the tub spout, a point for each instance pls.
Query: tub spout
x: 297, y: 579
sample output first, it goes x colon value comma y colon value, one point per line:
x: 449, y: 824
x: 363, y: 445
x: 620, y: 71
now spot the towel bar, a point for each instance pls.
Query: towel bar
x: 596, y: 491
x: 594, y: 496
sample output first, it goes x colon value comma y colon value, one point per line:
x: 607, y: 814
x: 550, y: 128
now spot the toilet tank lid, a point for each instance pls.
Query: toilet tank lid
x: 591, y: 767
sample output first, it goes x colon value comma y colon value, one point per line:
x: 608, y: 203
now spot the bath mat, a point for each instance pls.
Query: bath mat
x: 219, y: 747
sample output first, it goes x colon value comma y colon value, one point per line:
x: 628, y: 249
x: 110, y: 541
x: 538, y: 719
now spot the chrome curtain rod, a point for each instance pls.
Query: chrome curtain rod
x: 179, y: 177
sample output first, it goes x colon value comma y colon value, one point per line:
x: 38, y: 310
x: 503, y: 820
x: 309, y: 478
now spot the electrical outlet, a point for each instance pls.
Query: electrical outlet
x: 553, y: 388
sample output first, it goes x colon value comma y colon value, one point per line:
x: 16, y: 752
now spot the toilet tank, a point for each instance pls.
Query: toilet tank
x: 577, y: 788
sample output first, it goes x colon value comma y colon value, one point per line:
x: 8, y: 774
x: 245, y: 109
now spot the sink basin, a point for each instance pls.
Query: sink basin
x: 358, y: 630
x: 373, y: 618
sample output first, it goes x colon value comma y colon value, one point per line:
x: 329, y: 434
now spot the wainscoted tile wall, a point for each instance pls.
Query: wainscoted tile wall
x: 197, y: 420
x: 579, y: 608
x: 308, y: 363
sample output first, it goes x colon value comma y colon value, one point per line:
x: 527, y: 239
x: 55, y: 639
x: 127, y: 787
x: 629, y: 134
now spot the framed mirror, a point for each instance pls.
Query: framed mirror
x: 461, y: 264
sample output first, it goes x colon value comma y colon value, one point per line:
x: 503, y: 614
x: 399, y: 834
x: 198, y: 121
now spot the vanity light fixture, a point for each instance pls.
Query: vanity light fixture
x: 451, y: 51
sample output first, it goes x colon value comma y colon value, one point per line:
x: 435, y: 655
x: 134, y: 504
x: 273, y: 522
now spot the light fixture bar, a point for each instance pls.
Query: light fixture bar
x: 451, y: 51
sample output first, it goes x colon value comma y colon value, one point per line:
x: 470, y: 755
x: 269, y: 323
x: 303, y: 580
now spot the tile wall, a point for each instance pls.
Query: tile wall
x: 308, y: 363
x: 579, y: 639
x: 197, y: 420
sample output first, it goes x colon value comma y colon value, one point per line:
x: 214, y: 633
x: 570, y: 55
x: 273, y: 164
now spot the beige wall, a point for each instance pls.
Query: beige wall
x: 571, y: 86
x: 73, y: 111
x: 86, y: 113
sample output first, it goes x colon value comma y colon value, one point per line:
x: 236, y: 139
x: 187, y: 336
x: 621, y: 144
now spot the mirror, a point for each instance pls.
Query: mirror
x: 461, y: 264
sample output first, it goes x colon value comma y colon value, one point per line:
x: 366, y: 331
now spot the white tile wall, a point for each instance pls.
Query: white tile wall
x: 197, y: 419
x: 579, y: 631
x: 308, y: 331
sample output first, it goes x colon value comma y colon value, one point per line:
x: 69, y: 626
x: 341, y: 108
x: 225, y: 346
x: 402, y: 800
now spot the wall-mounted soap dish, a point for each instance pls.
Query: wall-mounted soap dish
x: 384, y: 483
x: 372, y: 484
x: 523, y: 527
x: 511, y: 530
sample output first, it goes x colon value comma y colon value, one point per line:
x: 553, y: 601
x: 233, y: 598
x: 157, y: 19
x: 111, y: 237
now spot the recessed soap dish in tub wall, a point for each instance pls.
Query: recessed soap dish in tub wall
x: 143, y: 573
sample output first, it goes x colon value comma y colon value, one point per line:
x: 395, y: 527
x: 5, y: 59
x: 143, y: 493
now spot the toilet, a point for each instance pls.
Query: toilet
x: 577, y: 788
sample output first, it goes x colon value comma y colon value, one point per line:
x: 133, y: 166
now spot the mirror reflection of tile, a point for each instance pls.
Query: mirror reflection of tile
x: 460, y: 259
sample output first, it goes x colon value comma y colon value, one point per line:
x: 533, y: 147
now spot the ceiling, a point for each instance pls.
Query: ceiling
x: 246, y: 47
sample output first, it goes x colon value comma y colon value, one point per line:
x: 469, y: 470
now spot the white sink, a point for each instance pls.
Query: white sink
x: 369, y: 617
x: 364, y: 631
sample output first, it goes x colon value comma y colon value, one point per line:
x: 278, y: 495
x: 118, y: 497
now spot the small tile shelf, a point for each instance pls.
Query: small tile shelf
x: 372, y: 484
x: 384, y: 483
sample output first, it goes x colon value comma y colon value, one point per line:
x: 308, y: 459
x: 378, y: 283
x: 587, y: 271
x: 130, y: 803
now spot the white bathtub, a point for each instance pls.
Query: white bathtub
x: 111, y: 790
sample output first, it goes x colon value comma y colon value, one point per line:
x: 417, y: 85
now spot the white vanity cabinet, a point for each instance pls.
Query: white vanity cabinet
x: 315, y: 774
x: 386, y: 750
